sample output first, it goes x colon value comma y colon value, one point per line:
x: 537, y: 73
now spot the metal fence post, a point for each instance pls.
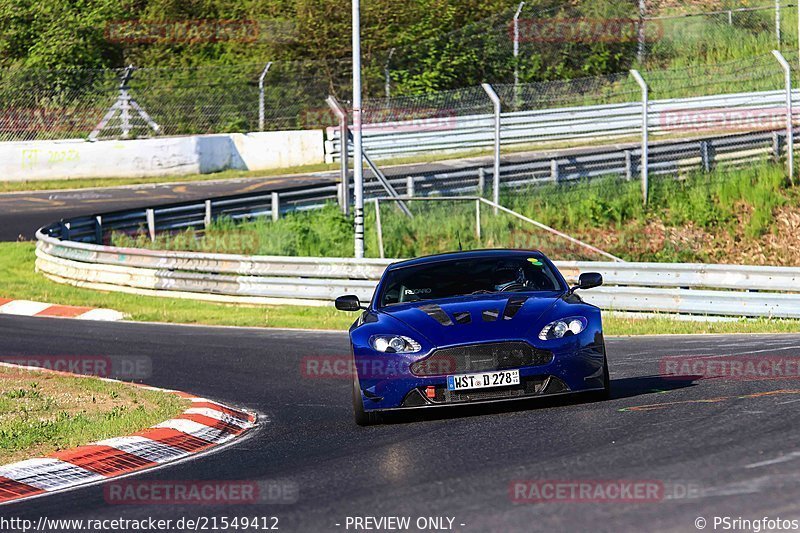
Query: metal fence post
x: 379, y: 226
x: 554, y: 174
x: 481, y: 181
x: 516, y: 54
x: 787, y: 72
x: 275, y: 206
x: 645, y: 114
x: 387, y: 74
x: 344, y: 138
x: 261, y: 106
x: 358, y: 149
x: 778, y: 21
x: 640, y: 35
x: 498, y: 109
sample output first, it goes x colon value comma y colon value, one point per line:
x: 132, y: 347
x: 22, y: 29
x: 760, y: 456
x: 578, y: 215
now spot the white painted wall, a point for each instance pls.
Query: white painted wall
x: 164, y: 156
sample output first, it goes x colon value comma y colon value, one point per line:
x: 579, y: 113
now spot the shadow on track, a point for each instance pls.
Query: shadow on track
x: 620, y: 389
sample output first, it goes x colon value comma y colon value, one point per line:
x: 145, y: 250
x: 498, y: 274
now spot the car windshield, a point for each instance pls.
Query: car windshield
x: 448, y: 279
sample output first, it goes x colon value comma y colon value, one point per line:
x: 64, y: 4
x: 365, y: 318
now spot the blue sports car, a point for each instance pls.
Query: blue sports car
x: 468, y: 327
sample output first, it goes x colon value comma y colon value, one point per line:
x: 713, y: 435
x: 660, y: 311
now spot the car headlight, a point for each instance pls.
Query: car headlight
x: 563, y: 328
x: 394, y: 344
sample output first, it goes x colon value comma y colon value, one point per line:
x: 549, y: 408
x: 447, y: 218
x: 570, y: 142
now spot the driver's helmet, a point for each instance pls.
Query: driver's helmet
x: 507, y: 274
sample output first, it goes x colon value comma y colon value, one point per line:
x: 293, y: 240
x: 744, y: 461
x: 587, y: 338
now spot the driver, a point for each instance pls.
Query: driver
x: 508, y: 277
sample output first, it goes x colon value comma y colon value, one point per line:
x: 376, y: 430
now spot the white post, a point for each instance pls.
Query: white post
x: 516, y: 53
x: 787, y: 72
x: 207, y: 216
x: 150, y: 215
x: 478, y: 219
x: 261, y: 108
x: 645, y: 103
x: 778, y: 21
x: 497, y: 111
x: 358, y: 151
x: 379, y: 227
x: 275, y: 206
x: 344, y: 135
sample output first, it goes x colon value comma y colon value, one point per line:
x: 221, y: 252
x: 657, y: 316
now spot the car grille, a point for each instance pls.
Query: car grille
x: 529, y: 387
x: 481, y: 358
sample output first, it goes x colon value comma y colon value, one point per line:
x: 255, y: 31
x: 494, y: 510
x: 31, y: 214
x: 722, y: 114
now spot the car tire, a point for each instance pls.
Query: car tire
x: 362, y: 416
x: 605, y: 393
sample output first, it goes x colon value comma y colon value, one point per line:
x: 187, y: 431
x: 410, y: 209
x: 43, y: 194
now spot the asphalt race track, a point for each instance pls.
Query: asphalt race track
x: 734, y: 446
x: 22, y: 213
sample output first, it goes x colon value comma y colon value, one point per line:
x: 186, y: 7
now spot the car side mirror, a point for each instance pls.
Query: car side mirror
x: 348, y: 303
x: 588, y: 280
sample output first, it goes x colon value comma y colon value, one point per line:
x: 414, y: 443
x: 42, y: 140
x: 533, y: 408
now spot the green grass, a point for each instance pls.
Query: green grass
x: 17, y: 271
x: 738, y: 204
x: 41, y: 413
x: 21, y: 282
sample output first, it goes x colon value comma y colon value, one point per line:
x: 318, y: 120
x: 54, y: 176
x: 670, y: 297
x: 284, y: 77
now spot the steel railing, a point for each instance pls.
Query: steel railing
x: 693, y: 289
x: 570, y: 124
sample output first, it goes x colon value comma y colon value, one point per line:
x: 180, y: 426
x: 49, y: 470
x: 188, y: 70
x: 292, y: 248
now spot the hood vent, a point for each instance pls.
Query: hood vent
x: 463, y: 317
x: 490, y: 315
x: 513, y: 306
x: 436, y: 313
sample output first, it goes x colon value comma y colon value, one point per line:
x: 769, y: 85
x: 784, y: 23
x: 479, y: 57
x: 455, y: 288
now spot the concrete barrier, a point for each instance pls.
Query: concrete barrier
x: 160, y: 156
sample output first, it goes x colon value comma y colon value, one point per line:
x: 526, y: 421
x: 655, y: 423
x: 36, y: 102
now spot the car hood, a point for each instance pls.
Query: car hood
x: 469, y: 319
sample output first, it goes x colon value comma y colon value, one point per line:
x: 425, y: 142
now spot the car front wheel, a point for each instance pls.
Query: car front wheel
x: 362, y: 417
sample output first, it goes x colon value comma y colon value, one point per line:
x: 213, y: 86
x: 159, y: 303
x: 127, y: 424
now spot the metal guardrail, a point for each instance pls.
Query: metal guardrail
x: 639, y: 287
x: 666, y: 158
x: 569, y: 124
x: 72, y: 251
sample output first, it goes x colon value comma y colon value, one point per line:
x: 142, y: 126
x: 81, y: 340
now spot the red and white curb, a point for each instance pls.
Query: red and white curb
x: 29, y: 308
x: 205, y: 425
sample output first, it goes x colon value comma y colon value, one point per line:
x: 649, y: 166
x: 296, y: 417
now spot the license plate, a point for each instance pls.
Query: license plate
x: 483, y: 380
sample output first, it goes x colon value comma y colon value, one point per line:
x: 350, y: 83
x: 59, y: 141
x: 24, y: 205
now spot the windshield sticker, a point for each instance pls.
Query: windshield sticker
x: 535, y: 262
x: 413, y: 292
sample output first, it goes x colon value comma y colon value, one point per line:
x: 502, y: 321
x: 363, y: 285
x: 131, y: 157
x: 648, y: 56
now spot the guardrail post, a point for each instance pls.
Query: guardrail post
x: 275, y: 206
x: 777, y: 146
x: 64, y: 230
x: 410, y: 186
x: 705, y: 156
x: 378, y: 226
x: 98, y: 229
x: 150, y: 215
x: 478, y: 219
x: 645, y: 114
x: 554, y: 174
x: 207, y: 216
x: 628, y: 166
x: 498, y: 108
x: 787, y: 72
x: 481, y: 182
